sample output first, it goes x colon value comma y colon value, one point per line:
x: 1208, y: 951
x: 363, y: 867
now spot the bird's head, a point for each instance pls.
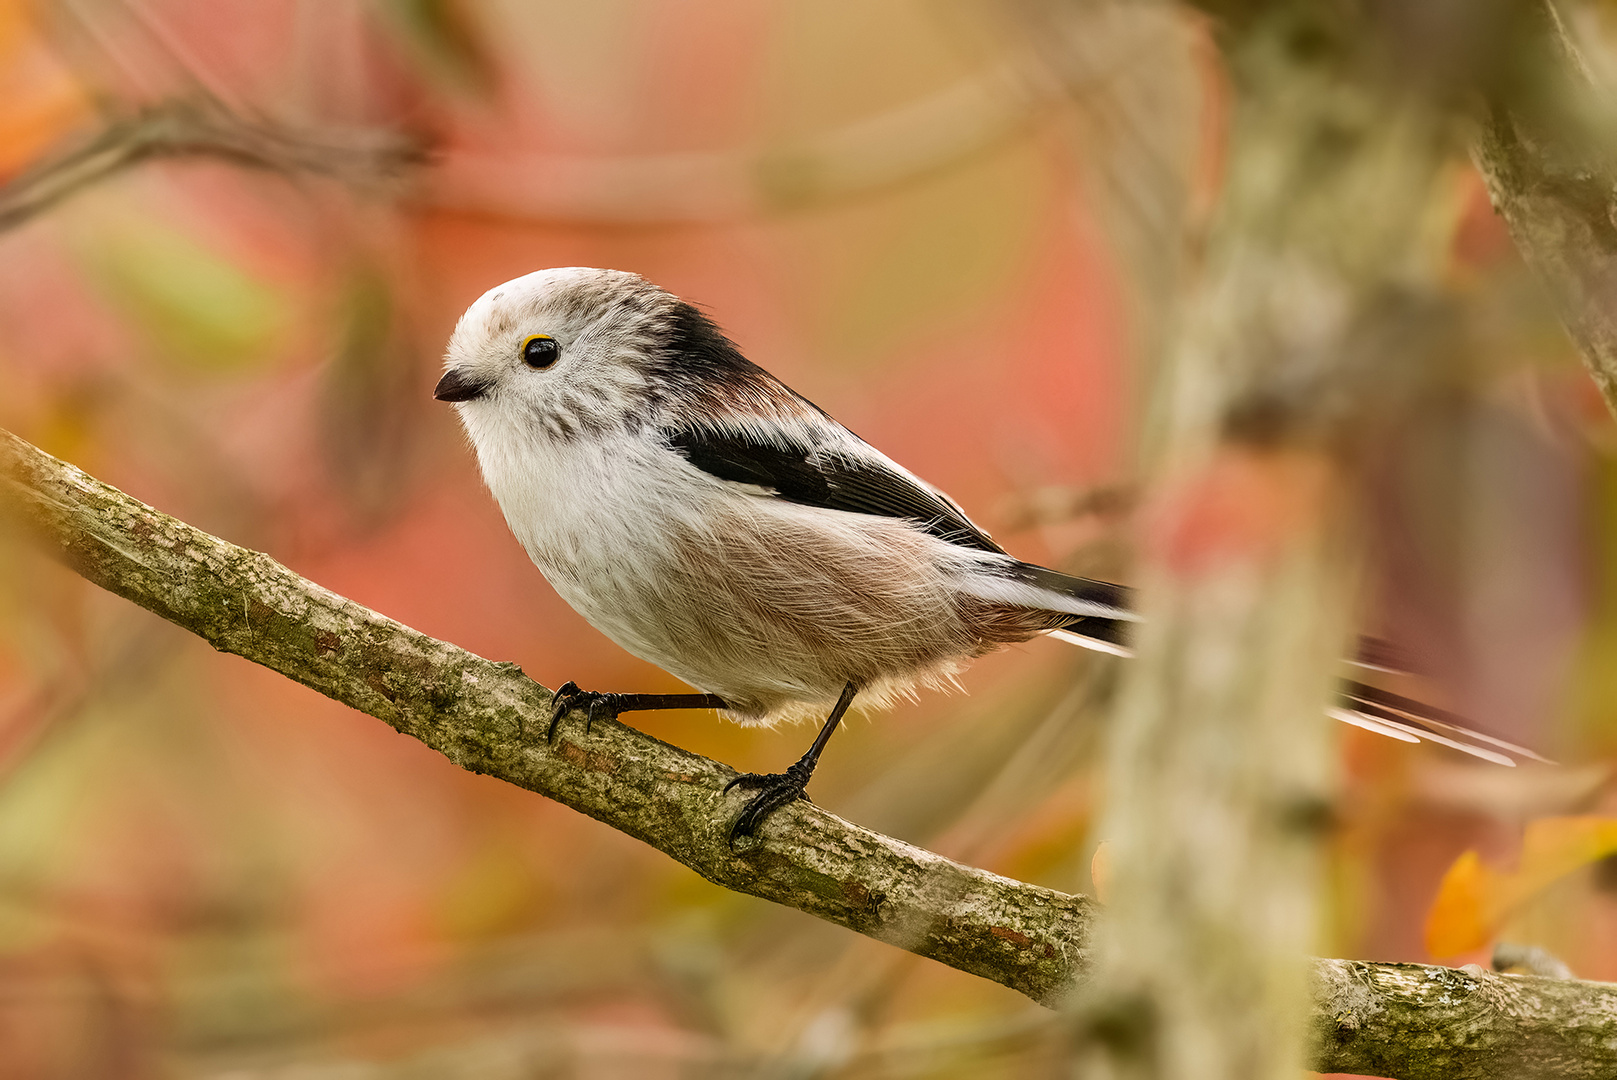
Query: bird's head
x: 562, y: 351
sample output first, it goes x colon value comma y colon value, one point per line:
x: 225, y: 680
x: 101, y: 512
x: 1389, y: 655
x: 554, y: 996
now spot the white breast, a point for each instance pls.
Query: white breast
x: 597, y: 517
x: 589, y: 513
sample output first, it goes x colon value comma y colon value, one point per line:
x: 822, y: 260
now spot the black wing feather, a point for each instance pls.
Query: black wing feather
x: 814, y: 477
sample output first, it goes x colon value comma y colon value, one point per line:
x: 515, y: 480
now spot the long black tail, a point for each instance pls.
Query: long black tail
x: 1358, y: 703
x: 1399, y: 717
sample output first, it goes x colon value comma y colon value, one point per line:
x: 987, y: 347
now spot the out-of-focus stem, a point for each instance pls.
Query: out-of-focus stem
x: 1218, y: 779
x: 198, y: 127
x: 1552, y: 176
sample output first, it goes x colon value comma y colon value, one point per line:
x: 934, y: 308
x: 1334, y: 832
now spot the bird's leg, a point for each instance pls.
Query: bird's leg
x: 596, y: 704
x: 778, y: 789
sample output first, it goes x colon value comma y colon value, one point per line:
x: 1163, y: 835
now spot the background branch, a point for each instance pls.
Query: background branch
x: 1546, y: 153
x: 199, y: 126
x: 1399, y: 1020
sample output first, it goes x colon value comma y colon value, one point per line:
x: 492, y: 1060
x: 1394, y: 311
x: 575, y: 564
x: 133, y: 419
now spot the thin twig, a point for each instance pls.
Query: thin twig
x: 199, y: 127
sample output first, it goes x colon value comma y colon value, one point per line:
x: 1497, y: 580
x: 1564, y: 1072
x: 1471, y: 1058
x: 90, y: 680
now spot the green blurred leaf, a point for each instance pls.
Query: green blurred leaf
x: 446, y: 38
x: 202, y: 308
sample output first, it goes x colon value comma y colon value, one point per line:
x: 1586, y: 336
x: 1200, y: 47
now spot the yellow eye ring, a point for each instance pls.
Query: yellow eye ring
x: 539, y: 351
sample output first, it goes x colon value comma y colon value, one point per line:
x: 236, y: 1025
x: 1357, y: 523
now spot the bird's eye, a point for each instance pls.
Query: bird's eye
x: 540, y: 351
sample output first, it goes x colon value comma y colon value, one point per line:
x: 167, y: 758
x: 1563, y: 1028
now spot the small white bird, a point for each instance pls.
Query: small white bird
x: 710, y: 520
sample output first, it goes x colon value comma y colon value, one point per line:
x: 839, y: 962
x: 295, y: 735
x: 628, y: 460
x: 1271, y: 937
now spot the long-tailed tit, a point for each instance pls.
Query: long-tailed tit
x: 710, y: 520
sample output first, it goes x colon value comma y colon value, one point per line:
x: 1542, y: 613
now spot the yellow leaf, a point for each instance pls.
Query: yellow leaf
x: 1474, y: 900
x: 40, y: 98
x: 1463, y: 916
x: 206, y: 309
x: 1554, y: 847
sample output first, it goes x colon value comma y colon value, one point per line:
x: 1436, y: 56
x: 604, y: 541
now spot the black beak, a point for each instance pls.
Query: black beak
x: 455, y: 386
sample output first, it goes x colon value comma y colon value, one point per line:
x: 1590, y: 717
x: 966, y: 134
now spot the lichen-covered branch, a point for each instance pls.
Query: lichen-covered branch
x: 199, y: 127
x: 1417, y: 1022
x: 1406, y: 1021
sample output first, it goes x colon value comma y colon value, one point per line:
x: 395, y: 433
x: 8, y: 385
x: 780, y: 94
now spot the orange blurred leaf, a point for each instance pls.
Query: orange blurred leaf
x: 1464, y: 914
x: 1554, y: 847
x: 40, y: 98
x: 1474, y: 900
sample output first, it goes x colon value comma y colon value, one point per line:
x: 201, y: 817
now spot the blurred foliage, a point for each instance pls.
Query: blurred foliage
x: 1474, y: 900
x: 446, y: 37
x: 198, y: 306
x: 39, y: 98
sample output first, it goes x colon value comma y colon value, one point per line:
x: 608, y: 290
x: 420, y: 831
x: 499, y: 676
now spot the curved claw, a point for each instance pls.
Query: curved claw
x: 775, y: 791
x: 594, y: 703
x: 747, y: 779
x: 560, y: 702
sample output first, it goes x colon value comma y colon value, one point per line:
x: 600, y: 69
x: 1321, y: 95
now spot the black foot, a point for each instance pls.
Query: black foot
x: 595, y: 705
x: 775, y: 790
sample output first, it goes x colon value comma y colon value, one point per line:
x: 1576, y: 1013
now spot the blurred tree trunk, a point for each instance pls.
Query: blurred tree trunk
x: 1219, y: 775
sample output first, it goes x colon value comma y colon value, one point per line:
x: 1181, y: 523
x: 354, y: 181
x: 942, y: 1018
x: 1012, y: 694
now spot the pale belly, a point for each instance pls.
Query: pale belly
x: 751, y: 598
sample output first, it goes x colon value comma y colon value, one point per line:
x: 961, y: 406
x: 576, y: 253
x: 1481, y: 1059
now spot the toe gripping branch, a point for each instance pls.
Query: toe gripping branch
x: 597, y: 705
x: 592, y: 702
x: 775, y: 790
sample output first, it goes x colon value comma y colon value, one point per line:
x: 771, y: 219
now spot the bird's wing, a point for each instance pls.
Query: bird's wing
x: 826, y: 466
x: 816, y: 462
